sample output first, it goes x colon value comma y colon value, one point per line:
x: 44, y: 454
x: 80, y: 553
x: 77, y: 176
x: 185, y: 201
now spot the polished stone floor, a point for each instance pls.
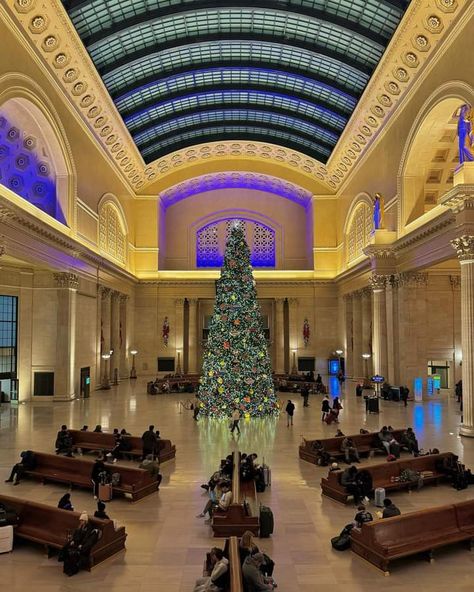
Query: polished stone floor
x: 166, y: 544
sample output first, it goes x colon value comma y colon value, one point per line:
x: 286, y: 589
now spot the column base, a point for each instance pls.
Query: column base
x: 61, y: 398
x: 467, y: 431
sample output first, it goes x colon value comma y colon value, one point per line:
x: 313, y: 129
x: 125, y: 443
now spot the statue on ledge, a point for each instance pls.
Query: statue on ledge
x: 379, y: 212
x: 466, y: 152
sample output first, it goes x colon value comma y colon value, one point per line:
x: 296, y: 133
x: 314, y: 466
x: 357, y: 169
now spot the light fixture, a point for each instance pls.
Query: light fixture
x: 339, y: 352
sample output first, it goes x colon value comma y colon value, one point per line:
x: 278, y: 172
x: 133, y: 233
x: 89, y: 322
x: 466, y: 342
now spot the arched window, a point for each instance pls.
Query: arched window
x: 211, y: 240
x: 359, y: 231
x: 112, y: 235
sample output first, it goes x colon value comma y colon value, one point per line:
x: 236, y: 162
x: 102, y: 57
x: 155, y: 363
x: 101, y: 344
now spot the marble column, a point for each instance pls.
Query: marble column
x: 379, y: 329
x: 192, y: 336
x: 349, y: 344
x: 358, y: 366
x: 391, y: 306
x: 106, y: 294
x: 279, y: 337
x: 114, y: 334
x: 366, y: 305
x: 123, y: 338
x: 464, y: 247
x: 293, y: 329
x: 67, y: 284
x: 179, y: 333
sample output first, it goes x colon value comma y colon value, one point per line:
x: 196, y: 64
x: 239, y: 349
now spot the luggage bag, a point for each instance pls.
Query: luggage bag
x: 266, y: 522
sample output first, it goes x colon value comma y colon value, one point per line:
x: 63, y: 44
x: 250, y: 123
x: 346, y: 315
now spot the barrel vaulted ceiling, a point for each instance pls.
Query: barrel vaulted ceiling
x: 186, y: 72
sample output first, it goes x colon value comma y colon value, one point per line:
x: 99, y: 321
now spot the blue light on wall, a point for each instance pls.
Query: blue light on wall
x: 333, y: 367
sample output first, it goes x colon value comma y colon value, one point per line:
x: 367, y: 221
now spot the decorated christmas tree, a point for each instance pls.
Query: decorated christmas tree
x: 236, y: 369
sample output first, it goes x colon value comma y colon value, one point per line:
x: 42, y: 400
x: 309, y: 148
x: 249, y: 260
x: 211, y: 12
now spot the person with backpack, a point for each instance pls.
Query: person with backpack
x: 290, y: 409
x: 362, y: 516
x: 64, y: 442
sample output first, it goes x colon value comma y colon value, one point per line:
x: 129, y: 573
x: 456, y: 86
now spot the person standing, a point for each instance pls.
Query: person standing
x: 359, y: 390
x: 149, y: 442
x: 336, y: 408
x: 404, y: 395
x: 235, y: 420
x: 305, y: 395
x: 325, y: 408
x: 290, y: 410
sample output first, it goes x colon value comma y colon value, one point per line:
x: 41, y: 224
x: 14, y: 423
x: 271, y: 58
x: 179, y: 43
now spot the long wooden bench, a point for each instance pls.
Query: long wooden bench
x: 51, y: 527
x: 242, y: 513
x: 365, y: 444
x: 92, y: 441
x: 389, y: 539
x: 137, y: 483
x: 385, y: 475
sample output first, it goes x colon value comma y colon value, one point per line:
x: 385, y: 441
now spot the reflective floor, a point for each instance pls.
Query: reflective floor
x: 166, y: 544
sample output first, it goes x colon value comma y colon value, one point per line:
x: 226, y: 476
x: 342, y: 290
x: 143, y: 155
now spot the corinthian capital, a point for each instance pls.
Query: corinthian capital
x: 378, y: 282
x: 464, y: 247
x: 66, y: 280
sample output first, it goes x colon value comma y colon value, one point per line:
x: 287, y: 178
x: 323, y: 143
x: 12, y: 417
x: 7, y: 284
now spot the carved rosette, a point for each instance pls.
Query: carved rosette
x: 378, y: 282
x: 464, y: 247
x: 66, y: 280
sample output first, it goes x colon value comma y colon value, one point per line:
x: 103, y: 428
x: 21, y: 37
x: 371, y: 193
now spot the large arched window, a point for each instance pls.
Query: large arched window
x: 211, y: 240
x: 359, y: 231
x: 112, y: 232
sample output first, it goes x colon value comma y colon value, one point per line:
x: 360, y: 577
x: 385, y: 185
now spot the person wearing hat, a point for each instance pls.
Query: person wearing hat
x: 75, y: 553
x: 254, y: 580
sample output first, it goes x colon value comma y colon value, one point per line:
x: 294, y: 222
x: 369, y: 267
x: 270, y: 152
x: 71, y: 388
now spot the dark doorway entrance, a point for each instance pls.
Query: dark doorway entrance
x: 85, y: 382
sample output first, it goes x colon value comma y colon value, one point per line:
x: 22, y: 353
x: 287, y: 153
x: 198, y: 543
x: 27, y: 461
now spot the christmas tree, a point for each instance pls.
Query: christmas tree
x: 236, y: 368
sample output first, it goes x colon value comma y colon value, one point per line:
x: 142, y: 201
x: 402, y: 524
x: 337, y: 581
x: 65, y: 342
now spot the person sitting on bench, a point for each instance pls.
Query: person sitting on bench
x: 254, y: 580
x: 385, y: 437
x: 389, y: 509
x: 153, y: 468
x: 357, y: 483
x: 222, y: 504
x: 218, y: 579
x: 349, y: 449
x: 100, y: 512
x: 362, y: 516
x: 27, y: 463
x: 75, y: 553
x: 409, y: 441
x: 64, y: 442
x: 65, y: 503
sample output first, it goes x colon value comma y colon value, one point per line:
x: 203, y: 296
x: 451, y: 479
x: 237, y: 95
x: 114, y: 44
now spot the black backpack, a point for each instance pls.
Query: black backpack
x: 343, y: 541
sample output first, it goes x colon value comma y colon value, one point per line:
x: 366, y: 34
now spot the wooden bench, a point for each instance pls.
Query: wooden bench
x: 94, y: 441
x: 137, y: 483
x: 51, y: 527
x: 386, y: 540
x: 237, y: 519
x: 365, y: 444
x: 384, y: 475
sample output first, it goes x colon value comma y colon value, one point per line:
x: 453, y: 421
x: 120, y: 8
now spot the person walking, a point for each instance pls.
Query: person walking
x: 149, y: 442
x: 235, y: 420
x: 290, y: 409
x: 325, y: 407
x: 305, y: 395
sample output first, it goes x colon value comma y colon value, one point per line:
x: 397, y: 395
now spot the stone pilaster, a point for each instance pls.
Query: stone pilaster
x: 391, y: 315
x: 192, y: 336
x: 123, y: 337
x: 105, y: 296
x: 349, y: 337
x: 464, y: 246
x: 114, y: 334
x: 293, y: 328
x: 379, y: 328
x: 358, y: 365
x: 179, y: 332
x: 67, y: 284
x: 279, y: 336
x: 367, y: 326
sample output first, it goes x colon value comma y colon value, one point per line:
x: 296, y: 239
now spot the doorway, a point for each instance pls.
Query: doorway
x: 85, y: 382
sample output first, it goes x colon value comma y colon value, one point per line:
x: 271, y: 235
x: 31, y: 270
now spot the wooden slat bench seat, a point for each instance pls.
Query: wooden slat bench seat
x: 236, y: 520
x: 384, y: 474
x: 365, y: 444
x: 77, y: 471
x: 94, y: 441
x: 386, y: 540
x: 51, y: 527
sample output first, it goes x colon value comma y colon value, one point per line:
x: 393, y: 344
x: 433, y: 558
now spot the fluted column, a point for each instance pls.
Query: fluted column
x: 114, y: 334
x: 293, y: 330
x: 379, y: 329
x: 123, y: 337
x: 366, y: 306
x: 192, y: 336
x: 67, y: 284
x: 349, y: 346
x: 179, y: 332
x: 279, y: 337
x: 391, y: 305
x: 358, y: 366
x: 464, y: 247
x: 106, y: 295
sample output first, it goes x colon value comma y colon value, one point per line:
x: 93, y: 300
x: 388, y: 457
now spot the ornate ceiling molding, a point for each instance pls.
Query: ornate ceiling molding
x: 48, y: 29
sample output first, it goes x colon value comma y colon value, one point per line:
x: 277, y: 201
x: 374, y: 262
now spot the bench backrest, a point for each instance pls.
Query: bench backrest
x: 465, y: 514
x: 372, y: 440
x: 106, y: 441
x: 235, y: 567
x: 236, y: 477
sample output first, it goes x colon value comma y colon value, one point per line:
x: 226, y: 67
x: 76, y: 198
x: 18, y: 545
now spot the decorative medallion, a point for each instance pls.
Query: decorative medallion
x: 411, y: 59
x: 421, y: 43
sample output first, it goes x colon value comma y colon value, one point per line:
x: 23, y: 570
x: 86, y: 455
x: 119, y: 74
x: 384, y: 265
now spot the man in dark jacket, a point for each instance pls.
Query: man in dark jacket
x: 27, y: 463
x: 149, y: 442
x: 64, y: 441
x: 389, y: 509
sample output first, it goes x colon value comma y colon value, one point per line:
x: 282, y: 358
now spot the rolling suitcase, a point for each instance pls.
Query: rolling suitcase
x: 267, y: 474
x: 373, y: 405
x: 266, y: 522
x: 379, y: 497
x: 105, y: 492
